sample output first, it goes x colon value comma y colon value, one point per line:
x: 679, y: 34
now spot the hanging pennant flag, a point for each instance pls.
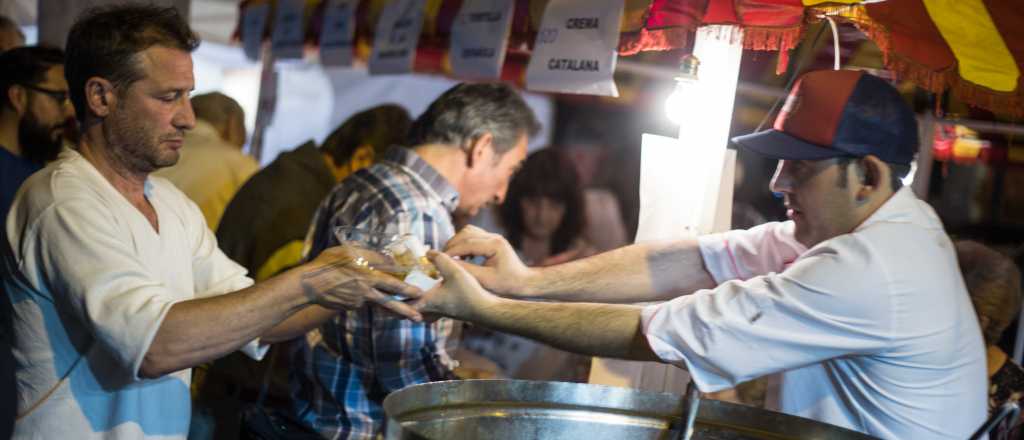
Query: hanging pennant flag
x: 287, y: 39
x: 396, y: 37
x: 254, y: 22
x: 575, y: 50
x: 337, y: 35
x: 479, y: 38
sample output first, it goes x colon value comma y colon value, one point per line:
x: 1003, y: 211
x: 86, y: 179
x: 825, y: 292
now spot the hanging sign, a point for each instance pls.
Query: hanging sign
x: 479, y: 38
x: 396, y: 37
x: 337, y: 35
x: 254, y: 22
x: 286, y: 42
x: 575, y: 50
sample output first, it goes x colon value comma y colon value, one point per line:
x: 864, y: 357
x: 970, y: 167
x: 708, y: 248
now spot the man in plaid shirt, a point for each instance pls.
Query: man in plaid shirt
x: 464, y: 149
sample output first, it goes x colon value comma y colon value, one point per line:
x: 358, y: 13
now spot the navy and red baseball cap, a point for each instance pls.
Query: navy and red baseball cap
x: 839, y: 113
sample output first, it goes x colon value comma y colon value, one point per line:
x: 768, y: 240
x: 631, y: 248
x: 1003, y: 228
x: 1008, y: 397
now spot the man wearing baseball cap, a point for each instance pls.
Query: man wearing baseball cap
x: 856, y: 302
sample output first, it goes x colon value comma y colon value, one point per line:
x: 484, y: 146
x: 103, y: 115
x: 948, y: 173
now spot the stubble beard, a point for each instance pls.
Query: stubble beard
x: 134, y: 148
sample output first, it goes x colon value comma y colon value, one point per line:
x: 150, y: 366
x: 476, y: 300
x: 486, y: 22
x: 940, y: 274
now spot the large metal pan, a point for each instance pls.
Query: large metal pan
x: 515, y: 410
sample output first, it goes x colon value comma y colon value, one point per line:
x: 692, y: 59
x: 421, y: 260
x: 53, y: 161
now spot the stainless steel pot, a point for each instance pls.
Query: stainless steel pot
x: 514, y: 409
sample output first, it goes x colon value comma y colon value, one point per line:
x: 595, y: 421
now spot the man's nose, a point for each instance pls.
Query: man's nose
x: 185, y: 118
x: 780, y: 183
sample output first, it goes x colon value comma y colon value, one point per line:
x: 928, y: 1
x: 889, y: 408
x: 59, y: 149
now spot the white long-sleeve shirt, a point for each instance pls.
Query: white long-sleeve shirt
x: 90, y: 281
x: 871, y: 330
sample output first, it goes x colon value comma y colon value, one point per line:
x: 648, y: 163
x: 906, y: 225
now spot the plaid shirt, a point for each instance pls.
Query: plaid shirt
x: 353, y: 361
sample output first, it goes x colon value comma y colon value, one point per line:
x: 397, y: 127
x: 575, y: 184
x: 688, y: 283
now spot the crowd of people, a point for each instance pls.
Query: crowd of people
x: 149, y: 265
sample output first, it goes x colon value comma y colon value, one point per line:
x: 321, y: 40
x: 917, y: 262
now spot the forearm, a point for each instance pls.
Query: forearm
x: 204, y: 329
x: 636, y: 273
x: 607, y: 330
x: 298, y: 324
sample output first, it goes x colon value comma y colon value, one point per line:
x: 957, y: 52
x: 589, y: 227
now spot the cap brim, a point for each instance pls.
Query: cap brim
x: 779, y: 145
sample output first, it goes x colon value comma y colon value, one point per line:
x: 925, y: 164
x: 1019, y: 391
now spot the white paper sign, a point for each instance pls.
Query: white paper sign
x: 337, y: 35
x: 576, y: 45
x: 397, y: 34
x: 286, y: 43
x: 254, y: 22
x: 479, y: 38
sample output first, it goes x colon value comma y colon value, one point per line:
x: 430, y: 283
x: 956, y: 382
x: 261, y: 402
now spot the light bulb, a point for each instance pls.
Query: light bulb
x: 676, y: 106
x: 679, y: 104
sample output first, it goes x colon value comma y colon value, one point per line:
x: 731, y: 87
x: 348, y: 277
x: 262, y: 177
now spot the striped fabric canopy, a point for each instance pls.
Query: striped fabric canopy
x: 973, y: 47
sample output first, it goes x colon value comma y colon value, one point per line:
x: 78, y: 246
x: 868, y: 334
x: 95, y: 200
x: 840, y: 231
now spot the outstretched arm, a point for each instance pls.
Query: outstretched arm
x: 593, y: 329
x: 280, y: 308
x: 637, y: 273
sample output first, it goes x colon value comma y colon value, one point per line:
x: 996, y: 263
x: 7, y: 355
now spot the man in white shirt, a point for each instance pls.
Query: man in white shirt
x: 116, y: 285
x: 856, y: 302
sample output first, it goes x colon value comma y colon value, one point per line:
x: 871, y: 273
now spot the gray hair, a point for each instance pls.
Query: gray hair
x: 467, y: 111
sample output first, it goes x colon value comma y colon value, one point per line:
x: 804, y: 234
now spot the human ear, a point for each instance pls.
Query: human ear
x: 873, y: 175
x: 478, y: 149
x: 18, y: 98
x: 362, y: 157
x: 99, y: 96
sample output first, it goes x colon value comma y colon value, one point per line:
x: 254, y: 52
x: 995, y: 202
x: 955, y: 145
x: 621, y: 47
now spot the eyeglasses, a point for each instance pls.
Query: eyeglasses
x: 58, y: 95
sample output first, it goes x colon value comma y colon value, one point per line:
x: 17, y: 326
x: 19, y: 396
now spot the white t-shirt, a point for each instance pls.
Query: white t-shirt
x: 90, y: 282
x: 872, y: 330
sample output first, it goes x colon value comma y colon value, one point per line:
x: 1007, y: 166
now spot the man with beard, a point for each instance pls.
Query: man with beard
x: 114, y: 284
x: 34, y: 109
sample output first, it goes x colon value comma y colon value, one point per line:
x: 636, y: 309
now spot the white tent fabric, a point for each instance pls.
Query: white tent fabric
x: 213, y: 19
x: 311, y: 100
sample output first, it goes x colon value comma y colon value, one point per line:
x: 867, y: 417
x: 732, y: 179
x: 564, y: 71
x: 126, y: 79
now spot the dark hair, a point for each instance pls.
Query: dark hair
x: 467, y: 111
x: 105, y: 42
x: 380, y: 127
x: 993, y: 282
x: 545, y: 173
x: 897, y: 171
x: 26, y: 65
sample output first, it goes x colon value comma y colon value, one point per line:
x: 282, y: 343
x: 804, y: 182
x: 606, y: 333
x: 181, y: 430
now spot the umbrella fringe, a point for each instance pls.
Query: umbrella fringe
x: 1007, y: 103
x: 764, y: 38
x: 653, y: 39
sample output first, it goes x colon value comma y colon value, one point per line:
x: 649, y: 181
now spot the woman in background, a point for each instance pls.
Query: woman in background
x: 544, y: 211
x: 543, y: 216
x: 993, y: 282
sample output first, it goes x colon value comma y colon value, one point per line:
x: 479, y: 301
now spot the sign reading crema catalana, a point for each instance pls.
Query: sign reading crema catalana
x: 479, y: 38
x: 337, y: 33
x: 575, y: 51
x: 396, y: 36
